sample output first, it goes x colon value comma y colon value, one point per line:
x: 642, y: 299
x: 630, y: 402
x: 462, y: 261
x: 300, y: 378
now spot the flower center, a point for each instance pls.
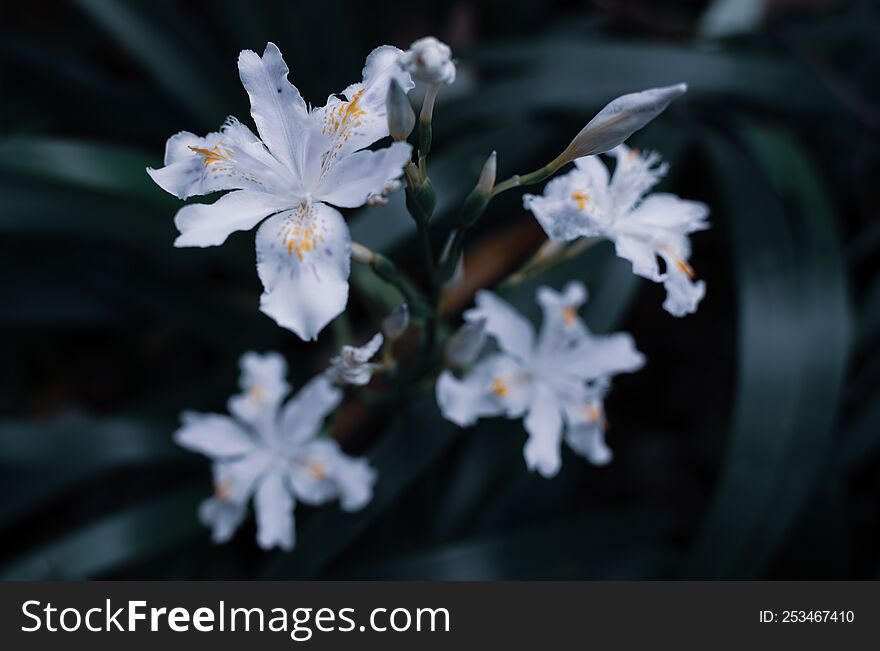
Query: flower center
x: 214, y: 155
x: 221, y: 491
x: 299, y: 233
x: 685, y: 268
x: 569, y: 315
x: 318, y: 470
x: 500, y: 387
x: 581, y: 198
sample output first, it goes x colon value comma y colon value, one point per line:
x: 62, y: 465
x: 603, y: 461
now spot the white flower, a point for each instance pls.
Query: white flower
x: 586, y: 202
x: 429, y: 60
x: 353, y: 366
x: 270, y: 451
x: 555, y: 380
x: 304, y: 162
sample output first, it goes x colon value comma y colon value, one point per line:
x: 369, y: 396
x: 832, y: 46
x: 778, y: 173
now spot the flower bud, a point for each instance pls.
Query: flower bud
x: 487, y: 176
x: 401, y: 117
x: 618, y: 121
x: 464, y: 346
x: 361, y: 254
x: 396, y: 323
x: 429, y: 60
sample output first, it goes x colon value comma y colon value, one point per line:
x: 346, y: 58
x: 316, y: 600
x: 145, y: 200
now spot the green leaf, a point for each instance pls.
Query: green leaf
x: 624, y: 543
x: 136, y: 533
x: 87, y: 442
x: 151, y: 38
x: 793, y: 339
x: 613, y: 68
x: 86, y: 165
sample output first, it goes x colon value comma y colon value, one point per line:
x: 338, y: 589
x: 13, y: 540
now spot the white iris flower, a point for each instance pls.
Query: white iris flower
x: 305, y: 161
x: 555, y: 380
x: 270, y: 451
x: 589, y: 202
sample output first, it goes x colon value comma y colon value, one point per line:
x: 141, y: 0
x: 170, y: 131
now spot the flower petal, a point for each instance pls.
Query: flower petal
x: 354, y: 178
x: 235, y: 480
x: 347, y: 125
x: 356, y: 478
x: 544, y: 425
x: 496, y: 386
x: 304, y: 413
x: 588, y: 440
x: 303, y: 260
x: 224, y: 518
x: 515, y: 335
x: 322, y: 472
x: 634, y: 176
x: 640, y: 253
x: 209, y: 224
x: 682, y: 294
x: 273, y: 504
x: 263, y: 386
x: 598, y: 356
x: 352, y: 365
x: 561, y: 324
x: 214, y: 435
x: 230, y: 160
x: 574, y: 204
x: 277, y: 107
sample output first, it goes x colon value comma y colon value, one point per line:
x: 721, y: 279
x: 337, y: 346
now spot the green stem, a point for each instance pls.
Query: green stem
x: 388, y: 271
x: 525, y: 179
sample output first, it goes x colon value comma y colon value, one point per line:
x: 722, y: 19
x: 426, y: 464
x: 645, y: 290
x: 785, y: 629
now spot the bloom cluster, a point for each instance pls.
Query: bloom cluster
x: 291, y: 178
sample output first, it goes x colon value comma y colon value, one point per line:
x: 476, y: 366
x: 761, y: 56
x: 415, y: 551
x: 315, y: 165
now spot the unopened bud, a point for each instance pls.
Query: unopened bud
x: 487, y: 175
x: 396, y: 323
x: 361, y: 254
x: 401, y: 117
x: 618, y: 121
x: 429, y: 60
x: 464, y: 346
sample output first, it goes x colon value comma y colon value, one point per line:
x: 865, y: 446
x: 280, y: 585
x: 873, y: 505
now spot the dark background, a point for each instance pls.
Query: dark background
x: 746, y: 448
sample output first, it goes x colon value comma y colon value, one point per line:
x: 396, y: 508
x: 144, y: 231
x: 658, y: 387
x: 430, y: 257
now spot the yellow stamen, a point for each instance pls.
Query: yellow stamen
x: 582, y: 199
x: 686, y: 269
x: 569, y: 315
x: 212, y: 155
x: 319, y: 472
x: 499, y: 388
x: 256, y: 393
x: 221, y: 491
x: 593, y: 413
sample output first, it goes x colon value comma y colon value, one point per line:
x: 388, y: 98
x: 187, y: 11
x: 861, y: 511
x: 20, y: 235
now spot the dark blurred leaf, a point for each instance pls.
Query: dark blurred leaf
x: 89, y: 442
x: 138, y: 532
x: 171, y: 60
x: 583, y: 76
x: 792, y: 347
x: 619, y: 544
x: 85, y: 165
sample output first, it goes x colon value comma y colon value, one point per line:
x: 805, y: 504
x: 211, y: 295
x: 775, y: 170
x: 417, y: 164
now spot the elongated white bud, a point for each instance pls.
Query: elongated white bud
x: 487, y: 175
x: 465, y: 346
x: 618, y: 121
x: 396, y: 323
x: 361, y: 254
x: 401, y: 117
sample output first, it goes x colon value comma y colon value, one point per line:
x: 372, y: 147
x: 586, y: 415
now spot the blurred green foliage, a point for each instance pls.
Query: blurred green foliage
x: 748, y: 447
